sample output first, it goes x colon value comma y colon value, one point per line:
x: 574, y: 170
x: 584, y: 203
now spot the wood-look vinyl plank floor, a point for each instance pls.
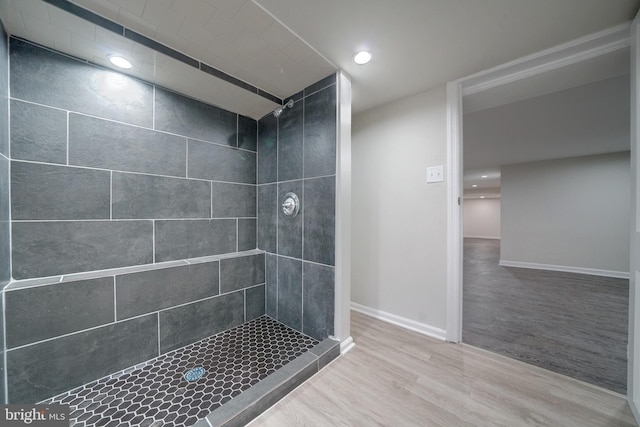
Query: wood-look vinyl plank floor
x: 395, y: 377
x: 573, y: 324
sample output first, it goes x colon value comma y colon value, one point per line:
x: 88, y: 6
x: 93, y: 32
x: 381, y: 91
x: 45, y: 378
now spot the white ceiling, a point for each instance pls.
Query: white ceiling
x: 420, y: 44
x: 578, y: 121
x: 417, y: 44
x: 601, y: 67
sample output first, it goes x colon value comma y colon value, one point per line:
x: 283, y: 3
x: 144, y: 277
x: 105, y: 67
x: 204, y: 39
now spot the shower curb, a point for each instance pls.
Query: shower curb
x: 257, y: 399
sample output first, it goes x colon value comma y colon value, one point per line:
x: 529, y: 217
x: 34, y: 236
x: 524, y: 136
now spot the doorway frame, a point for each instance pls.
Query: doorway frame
x: 588, y: 47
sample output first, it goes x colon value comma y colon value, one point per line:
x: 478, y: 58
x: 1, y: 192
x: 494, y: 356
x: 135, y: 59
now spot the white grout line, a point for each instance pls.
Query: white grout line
x: 130, y: 219
x: 159, y: 353
x: 134, y: 172
x: 294, y: 180
x: 244, y: 296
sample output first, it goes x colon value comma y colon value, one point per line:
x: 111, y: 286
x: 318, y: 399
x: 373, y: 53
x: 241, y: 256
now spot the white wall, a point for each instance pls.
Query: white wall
x: 482, y: 218
x: 399, y: 221
x: 570, y: 212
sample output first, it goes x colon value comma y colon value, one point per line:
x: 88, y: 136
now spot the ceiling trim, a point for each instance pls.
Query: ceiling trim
x: 134, y: 36
x: 588, y: 47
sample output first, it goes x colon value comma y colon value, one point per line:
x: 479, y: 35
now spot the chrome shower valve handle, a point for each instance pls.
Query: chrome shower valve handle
x: 290, y: 205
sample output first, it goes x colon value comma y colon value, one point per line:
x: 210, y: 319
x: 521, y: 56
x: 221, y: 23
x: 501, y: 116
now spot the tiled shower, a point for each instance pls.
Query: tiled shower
x: 143, y: 221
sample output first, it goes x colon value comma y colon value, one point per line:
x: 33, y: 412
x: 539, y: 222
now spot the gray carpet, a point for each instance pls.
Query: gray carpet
x: 573, y: 324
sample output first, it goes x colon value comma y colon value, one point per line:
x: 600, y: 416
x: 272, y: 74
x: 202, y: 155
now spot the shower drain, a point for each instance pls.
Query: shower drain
x: 194, y: 374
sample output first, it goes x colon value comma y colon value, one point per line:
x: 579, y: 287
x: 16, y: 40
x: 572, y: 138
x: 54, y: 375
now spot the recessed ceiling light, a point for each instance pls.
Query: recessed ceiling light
x: 474, y: 185
x: 482, y: 197
x: 119, y: 61
x: 361, y: 58
x: 484, y: 176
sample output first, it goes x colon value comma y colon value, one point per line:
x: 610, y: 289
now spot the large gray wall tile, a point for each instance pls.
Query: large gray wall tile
x: 218, y: 163
x: 110, y: 145
x: 42, y: 76
x: 267, y: 149
x: 268, y: 217
x: 52, y: 248
x: 320, y: 133
x: 290, y: 229
x: 35, y: 314
x: 271, y: 288
x: 38, y: 133
x: 318, y: 285
x: 58, y: 192
x: 4, y: 97
x: 5, y: 225
x: 145, y: 196
x: 290, y: 292
x: 42, y: 370
x: 255, y: 302
x: 148, y: 291
x: 180, y: 239
x: 5, y: 252
x: 247, y: 234
x: 233, y: 200
x: 185, y: 116
x: 319, y: 220
x: 189, y: 323
x: 241, y: 272
x: 247, y: 133
x: 290, y: 143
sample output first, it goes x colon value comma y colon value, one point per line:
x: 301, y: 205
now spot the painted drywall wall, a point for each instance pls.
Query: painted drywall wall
x: 398, y: 220
x: 581, y: 121
x: 482, y: 218
x: 570, y: 212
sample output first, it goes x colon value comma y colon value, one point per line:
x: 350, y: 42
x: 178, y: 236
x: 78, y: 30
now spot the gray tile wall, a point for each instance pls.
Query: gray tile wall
x: 297, y: 152
x: 104, y: 178
x: 89, y: 328
x: 5, y: 225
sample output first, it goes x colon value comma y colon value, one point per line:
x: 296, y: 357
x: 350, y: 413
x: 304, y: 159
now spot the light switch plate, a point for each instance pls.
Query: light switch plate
x: 435, y: 174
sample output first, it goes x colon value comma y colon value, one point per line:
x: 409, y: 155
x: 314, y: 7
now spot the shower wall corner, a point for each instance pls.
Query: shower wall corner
x: 297, y: 154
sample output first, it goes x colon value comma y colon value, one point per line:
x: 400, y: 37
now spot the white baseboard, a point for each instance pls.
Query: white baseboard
x: 483, y: 237
x: 566, y: 269
x: 347, y: 345
x: 403, y: 322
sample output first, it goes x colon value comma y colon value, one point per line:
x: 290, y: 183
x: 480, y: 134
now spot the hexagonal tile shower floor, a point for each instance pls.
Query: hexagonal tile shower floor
x: 156, y: 393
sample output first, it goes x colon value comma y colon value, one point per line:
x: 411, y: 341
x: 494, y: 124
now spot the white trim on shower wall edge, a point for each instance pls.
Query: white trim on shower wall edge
x: 591, y: 46
x: 403, y: 322
x: 565, y: 268
x: 342, y: 297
